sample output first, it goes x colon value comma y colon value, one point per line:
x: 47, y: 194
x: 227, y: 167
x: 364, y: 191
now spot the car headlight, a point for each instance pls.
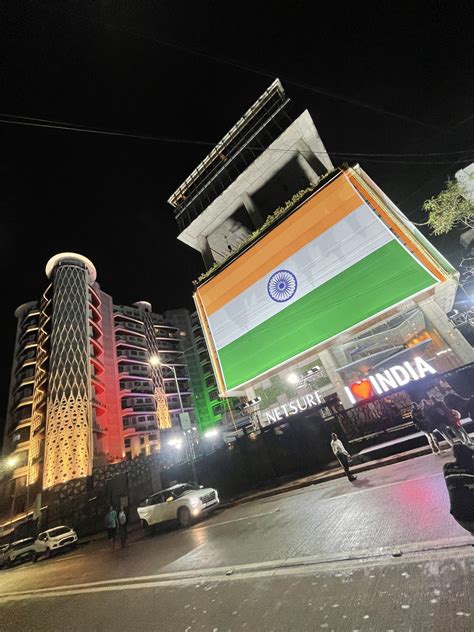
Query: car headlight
x: 195, y: 502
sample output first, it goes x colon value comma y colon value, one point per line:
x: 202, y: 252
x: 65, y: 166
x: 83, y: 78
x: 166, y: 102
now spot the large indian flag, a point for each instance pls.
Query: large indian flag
x: 333, y: 263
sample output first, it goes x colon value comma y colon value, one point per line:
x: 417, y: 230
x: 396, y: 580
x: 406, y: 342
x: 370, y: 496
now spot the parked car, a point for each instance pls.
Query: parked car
x: 53, y: 540
x: 17, y: 551
x: 3, y: 550
x: 182, y: 502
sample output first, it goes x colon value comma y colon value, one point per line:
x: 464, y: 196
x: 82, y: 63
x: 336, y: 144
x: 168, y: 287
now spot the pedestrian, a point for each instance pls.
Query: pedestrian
x: 393, y: 416
x: 342, y: 455
x: 456, y: 407
x: 420, y: 422
x: 111, y: 524
x: 437, y: 419
x: 459, y: 476
x: 454, y: 425
x: 123, y: 526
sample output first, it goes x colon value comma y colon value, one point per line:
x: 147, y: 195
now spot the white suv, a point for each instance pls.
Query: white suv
x: 180, y: 502
x: 52, y: 540
x: 19, y: 550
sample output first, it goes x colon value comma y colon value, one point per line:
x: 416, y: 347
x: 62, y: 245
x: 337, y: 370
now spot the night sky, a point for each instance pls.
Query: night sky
x: 188, y: 70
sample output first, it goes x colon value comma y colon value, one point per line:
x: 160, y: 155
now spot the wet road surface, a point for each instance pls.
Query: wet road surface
x: 282, y: 563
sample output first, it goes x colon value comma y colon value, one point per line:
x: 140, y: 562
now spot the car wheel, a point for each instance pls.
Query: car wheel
x: 48, y: 553
x: 148, y: 529
x: 34, y: 557
x: 184, y: 517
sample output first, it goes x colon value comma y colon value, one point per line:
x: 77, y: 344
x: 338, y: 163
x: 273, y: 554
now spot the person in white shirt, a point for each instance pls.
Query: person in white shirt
x: 342, y: 455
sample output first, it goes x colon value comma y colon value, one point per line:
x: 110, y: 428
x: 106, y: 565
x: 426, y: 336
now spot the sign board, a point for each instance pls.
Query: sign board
x: 293, y: 407
x: 185, y: 421
x: 394, y: 377
x: 338, y: 260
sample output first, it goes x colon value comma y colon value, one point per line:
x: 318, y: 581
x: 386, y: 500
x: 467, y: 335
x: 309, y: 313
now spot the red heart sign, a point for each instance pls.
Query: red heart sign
x: 362, y: 388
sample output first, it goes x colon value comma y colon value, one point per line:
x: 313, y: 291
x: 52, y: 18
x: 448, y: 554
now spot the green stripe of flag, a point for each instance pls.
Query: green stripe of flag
x: 384, y: 278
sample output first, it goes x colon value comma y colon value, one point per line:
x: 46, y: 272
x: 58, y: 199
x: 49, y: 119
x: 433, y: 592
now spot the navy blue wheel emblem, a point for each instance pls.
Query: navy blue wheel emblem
x: 282, y: 286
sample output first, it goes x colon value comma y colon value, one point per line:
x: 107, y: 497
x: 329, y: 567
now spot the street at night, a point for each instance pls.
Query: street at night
x: 237, y: 387
x: 382, y: 553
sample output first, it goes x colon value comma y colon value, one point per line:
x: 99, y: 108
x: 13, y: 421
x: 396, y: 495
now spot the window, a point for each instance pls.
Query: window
x: 127, y: 442
x: 152, y: 437
x: 142, y: 440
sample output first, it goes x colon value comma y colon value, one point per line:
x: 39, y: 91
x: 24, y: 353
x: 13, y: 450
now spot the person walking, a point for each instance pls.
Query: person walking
x: 342, y: 455
x: 111, y: 524
x: 458, y: 477
x: 459, y: 408
x: 437, y: 420
x: 122, y: 526
x: 422, y: 424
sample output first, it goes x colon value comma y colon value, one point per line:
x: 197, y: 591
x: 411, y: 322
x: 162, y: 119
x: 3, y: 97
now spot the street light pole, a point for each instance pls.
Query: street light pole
x: 189, y: 447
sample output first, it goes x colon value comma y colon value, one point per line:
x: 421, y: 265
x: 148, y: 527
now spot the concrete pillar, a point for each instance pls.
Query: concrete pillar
x: 308, y: 169
x: 452, y: 337
x: 329, y: 364
x: 205, y: 251
x: 252, y: 210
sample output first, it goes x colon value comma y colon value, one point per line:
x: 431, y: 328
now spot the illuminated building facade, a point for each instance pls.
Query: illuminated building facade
x: 91, y: 383
x: 308, y: 265
x: 209, y: 409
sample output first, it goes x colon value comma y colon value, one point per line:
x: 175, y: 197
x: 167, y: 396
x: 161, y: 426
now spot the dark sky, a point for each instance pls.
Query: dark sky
x: 105, y: 64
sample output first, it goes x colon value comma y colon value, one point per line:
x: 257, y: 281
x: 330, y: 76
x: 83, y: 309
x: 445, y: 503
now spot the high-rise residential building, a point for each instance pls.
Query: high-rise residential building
x: 277, y: 226
x: 209, y: 409
x: 91, y: 382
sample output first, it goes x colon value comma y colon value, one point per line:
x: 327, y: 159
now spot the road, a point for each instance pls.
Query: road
x: 382, y: 553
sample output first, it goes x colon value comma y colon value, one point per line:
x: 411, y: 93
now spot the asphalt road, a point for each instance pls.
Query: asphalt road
x: 382, y: 553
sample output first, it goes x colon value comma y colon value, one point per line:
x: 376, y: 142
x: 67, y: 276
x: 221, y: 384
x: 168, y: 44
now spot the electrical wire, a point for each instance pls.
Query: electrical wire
x: 370, y: 157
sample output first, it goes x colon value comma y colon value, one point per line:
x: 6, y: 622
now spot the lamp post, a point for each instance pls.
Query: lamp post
x: 10, y: 464
x: 155, y: 361
x: 310, y: 376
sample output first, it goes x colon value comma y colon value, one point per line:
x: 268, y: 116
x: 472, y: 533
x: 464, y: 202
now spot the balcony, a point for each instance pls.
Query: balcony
x: 97, y: 384
x: 26, y: 400
x: 98, y: 429
x: 130, y: 341
x: 94, y: 297
x: 131, y: 354
x: 97, y: 347
x: 97, y: 364
x: 99, y: 406
x: 140, y: 371
x: 129, y: 326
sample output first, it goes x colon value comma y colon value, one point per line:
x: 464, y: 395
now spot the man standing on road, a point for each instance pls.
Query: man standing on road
x: 342, y: 455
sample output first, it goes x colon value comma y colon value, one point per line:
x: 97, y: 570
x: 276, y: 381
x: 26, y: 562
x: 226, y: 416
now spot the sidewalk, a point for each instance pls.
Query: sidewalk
x: 327, y: 475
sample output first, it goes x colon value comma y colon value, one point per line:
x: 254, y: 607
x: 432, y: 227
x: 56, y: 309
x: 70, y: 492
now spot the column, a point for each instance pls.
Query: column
x: 252, y: 210
x: 205, y: 251
x: 452, y: 336
x: 328, y: 362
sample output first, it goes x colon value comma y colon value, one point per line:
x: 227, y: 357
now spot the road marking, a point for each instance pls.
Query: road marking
x: 218, y: 524
x: 295, y: 566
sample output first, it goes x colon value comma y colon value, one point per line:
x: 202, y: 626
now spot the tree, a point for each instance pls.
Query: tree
x: 449, y: 209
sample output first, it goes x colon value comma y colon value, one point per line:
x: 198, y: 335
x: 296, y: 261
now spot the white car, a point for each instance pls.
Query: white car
x: 52, y: 540
x: 180, y: 502
x: 17, y: 551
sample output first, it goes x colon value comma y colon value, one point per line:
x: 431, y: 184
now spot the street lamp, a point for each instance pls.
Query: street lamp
x: 307, y: 378
x: 155, y: 361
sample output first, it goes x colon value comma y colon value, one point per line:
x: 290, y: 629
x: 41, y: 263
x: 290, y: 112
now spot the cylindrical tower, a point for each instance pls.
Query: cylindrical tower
x: 69, y: 424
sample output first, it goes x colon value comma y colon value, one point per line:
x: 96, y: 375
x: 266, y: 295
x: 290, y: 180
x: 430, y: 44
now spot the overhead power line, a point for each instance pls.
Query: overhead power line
x: 250, y: 68
x: 382, y: 157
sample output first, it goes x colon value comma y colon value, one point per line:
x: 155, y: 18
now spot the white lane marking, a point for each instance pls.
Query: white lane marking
x: 218, y: 524
x: 273, y: 565
x: 270, y: 569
